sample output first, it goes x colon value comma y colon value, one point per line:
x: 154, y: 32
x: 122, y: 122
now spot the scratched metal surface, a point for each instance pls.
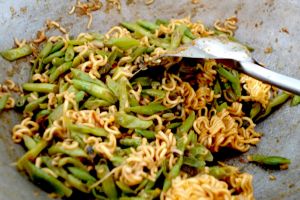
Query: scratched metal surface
x: 260, y: 24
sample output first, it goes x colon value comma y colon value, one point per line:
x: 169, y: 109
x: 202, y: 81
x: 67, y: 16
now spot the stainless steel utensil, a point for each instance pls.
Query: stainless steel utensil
x: 221, y: 48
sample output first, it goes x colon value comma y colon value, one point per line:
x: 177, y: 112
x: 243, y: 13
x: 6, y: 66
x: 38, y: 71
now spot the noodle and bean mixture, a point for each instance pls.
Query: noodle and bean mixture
x: 107, y: 116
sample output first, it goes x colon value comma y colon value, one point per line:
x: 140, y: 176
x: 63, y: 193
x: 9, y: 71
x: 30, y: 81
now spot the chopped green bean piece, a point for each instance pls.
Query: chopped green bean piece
x: 14, y: 54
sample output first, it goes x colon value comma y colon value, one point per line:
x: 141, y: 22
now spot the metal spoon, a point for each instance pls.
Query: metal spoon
x: 219, y: 48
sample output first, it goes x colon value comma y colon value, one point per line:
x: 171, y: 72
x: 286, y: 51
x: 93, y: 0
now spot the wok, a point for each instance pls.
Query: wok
x: 262, y: 24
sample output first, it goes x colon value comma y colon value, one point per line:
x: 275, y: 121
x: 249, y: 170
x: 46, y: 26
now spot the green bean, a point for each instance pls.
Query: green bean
x: 58, y: 111
x: 125, y: 188
x: 256, y: 108
x: 113, y: 86
x: 116, y: 53
x: 268, y: 160
x: 123, y: 94
x: 235, y: 82
x: 102, y: 52
x: 93, y: 104
x: 155, y: 93
x: 189, y: 34
x: 201, y: 152
x: 70, y: 160
x: 131, y: 142
x: 187, y: 124
x: 278, y: 100
x: 162, y: 21
x: 57, y: 46
x: 295, y: 100
x: 173, y: 125
x: 173, y: 174
x: 29, y: 142
x: 192, y: 138
x: 143, y: 81
x: 130, y: 121
x: 96, y: 131
x: 77, y: 60
x: 3, y: 101
x: 58, y: 148
x: 80, y: 75
x: 32, y: 106
x: 57, y: 62
x: 145, y: 133
x: 42, y: 115
x: 59, y: 71
x: 94, y: 90
x: 48, y: 182
x: 222, y: 106
x: 69, y: 53
x: 46, y: 50
x: 31, y: 154
x: 148, y: 25
x: 136, y: 28
x: 150, y: 184
x: 186, y: 40
x: 16, y: 53
x: 49, y: 58
x: 132, y: 100
x: 81, y: 174
x: 193, y: 162
x: 20, y: 103
x: 160, y: 43
x: 217, y: 88
x: 40, y: 87
x: 108, y: 184
x: 150, y: 109
x: 98, y: 196
x: 78, y: 42
x: 123, y: 43
x: 137, y: 52
x: 219, y: 172
x: 177, y: 36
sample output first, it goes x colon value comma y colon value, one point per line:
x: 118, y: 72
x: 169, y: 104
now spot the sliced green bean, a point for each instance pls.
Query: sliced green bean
x: 3, y: 101
x: 295, y: 100
x: 14, y: 54
x: 40, y: 87
x: 46, y: 181
x: 235, y: 82
x: 145, y: 133
x: 173, y: 174
x: 136, y: 28
x: 150, y: 109
x: 269, y: 160
x: 123, y: 42
x: 173, y: 125
x: 81, y: 174
x: 148, y: 25
x: 70, y: 160
x: 93, y: 104
x: 187, y: 124
x: 31, y: 154
x: 177, y: 36
x: 155, y: 93
x: 46, y: 50
x: 29, y: 142
x: 256, y: 108
x: 130, y: 121
x: 94, y: 90
x: 69, y: 53
x: 96, y: 131
x: 58, y: 148
x: 108, y: 184
x: 35, y: 104
x: 125, y: 188
x: 80, y: 75
x: 49, y: 58
x: 57, y: 46
x: 59, y: 71
x: 77, y: 60
x: 131, y: 142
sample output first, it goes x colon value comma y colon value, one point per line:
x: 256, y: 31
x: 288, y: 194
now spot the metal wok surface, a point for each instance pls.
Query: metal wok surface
x: 262, y: 24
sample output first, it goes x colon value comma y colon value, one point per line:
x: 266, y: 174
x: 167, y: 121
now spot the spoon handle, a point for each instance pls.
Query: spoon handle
x: 281, y: 81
